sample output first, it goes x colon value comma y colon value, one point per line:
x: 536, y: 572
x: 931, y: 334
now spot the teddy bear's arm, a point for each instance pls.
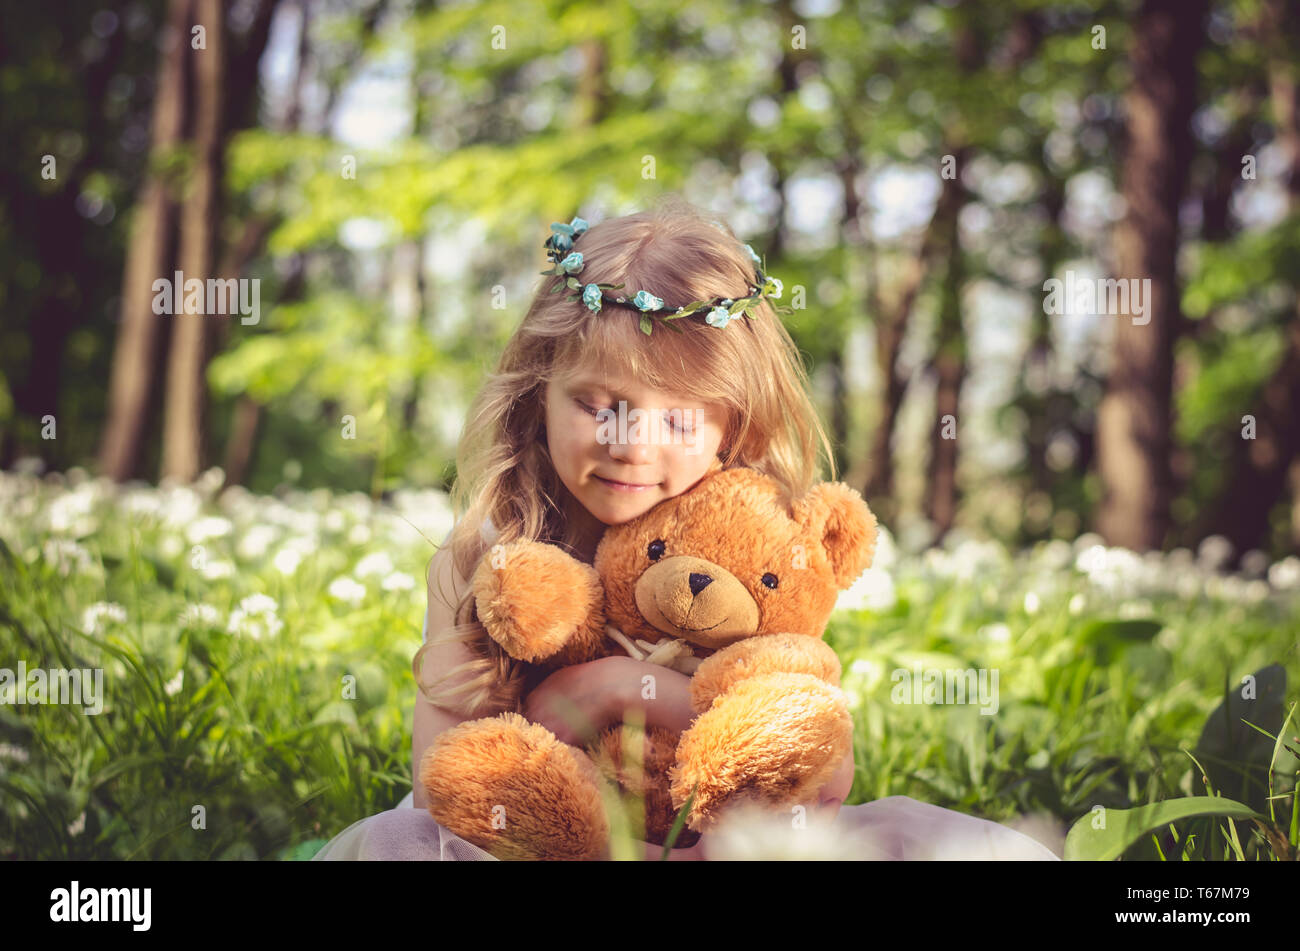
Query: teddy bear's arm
x: 540, y: 603
x: 764, y: 654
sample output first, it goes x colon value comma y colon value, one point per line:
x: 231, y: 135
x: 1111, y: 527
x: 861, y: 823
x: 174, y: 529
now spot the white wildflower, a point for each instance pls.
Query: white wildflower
x: 1116, y: 571
x: 1214, y: 552
x: 15, y: 753
x: 334, y: 521
x: 1188, y: 585
x: 359, y: 534
x: 1254, y: 564
x: 347, y: 589
x: 140, y: 502
x: 1256, y: 591
x: 180, y: 506
x: 398, y: 581
x: 213, y: 526
x: 1135, y: 609
x: 69, y: 513
x: 255, y: 542
x: 286, y: 560
x: 376, y: 563
x: 100, y: 610
x: 215, y: 570
x: 78, y: 825
x: 255, y: 617
x: 173, y: 686
x: 200, y: 615
x: 1056, y: 554
x: 1285, y: 575
x: 886, y: 553
x: 1032, y: 603
x: 171, y: 547
x: 1077, y: 604
x: 66, y: 556
x: 874, y: 591
x: 865, y: 674
x: 753, y: 833
x: 210, y: 481
x: 996, y: 633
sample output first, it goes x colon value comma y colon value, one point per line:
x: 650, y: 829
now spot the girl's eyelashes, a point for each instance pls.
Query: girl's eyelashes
x: 592, y: 411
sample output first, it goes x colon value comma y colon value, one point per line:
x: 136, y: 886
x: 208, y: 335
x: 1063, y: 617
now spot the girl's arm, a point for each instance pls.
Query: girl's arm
x: 430, y: 721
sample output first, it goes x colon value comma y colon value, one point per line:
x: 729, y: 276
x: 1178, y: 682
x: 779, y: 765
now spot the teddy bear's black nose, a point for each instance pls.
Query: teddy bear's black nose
x: 699, y: 582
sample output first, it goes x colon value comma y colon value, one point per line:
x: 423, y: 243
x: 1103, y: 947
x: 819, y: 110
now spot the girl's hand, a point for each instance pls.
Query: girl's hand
x: 576, y: 702
x: 831, y: 796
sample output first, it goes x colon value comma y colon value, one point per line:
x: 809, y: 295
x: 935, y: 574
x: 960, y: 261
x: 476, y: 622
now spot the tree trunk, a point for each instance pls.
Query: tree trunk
x: 891, y: 324
x: 184, y: 412
x: 1134, y: 420
x: 949, y: 364
x: 147, y: 258
x: 1260, y: 471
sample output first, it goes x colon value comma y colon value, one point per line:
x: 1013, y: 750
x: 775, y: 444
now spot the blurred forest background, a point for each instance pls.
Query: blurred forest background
x: 231, y: 515
x: 388, y: 171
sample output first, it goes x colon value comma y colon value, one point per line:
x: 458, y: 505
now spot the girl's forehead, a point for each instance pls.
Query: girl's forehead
x: 615, y: 385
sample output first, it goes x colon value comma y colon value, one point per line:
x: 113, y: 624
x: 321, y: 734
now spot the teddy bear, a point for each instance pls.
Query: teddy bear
x: 730, y: 582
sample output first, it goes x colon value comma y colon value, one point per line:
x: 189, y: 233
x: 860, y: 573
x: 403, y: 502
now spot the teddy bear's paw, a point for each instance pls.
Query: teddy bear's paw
x: 774, y: 739
x: 764, y: 654
x: 539, y: 603
x: 511, y: 788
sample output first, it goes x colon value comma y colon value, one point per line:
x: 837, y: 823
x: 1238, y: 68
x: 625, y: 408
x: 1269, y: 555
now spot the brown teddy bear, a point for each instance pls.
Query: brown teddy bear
x: 730, y: 582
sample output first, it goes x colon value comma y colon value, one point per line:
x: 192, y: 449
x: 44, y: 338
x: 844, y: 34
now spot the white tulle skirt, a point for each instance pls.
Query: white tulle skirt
x: 896, y: 828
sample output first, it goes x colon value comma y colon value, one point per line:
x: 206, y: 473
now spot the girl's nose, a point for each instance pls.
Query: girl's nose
x: 638, y: 452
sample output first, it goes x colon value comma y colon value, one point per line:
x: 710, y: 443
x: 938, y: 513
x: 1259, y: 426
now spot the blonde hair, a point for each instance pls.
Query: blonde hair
x: 751, y: 368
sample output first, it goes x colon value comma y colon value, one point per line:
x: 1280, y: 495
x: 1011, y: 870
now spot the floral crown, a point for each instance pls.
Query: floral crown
x: 559, y: 248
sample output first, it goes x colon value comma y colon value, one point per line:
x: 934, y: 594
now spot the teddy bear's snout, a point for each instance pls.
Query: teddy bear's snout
x: 698, y: 600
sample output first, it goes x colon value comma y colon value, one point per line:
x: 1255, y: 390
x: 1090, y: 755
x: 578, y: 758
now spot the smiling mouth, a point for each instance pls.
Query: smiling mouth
x: 635, y: 485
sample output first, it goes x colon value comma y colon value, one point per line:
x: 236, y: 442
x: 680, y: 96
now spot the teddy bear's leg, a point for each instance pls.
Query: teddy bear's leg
x: 641, y: 771
x: 510, y: 787
x: 764, y: 654
x: 540, y: 603
x: 774, y: 739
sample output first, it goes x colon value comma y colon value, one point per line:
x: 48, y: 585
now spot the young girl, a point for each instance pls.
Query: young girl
x: 532, y: 464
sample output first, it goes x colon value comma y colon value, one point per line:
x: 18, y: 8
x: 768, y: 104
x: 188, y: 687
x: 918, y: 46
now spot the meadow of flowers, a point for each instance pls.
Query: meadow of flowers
x: 258, y: 692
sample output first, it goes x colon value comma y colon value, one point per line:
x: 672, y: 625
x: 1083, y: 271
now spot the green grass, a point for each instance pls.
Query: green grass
x: 1108, y: 674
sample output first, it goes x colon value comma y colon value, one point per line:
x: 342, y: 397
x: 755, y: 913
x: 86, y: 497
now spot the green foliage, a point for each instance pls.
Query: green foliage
x: 262, y: 732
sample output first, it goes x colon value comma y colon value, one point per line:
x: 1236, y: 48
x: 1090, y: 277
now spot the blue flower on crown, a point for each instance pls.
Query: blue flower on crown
x: 718, y: 317
x: 591, y: 297
x: 757, y: 260
x: 644, y: 301
x: 562, y: 240
x: 573, y: 263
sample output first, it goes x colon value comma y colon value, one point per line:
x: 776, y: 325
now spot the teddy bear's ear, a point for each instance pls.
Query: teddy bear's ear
x: 838, y: 515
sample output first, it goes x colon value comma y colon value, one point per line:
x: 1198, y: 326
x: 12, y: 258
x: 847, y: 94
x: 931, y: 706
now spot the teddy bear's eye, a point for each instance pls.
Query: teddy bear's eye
x: 656, y: 549
x: 769, y: 579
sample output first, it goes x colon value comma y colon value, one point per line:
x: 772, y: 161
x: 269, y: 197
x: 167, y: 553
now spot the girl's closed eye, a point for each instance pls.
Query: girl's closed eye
x: 596, y: 412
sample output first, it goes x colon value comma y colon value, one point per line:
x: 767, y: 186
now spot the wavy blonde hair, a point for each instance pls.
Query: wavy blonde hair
x: 504, y: 472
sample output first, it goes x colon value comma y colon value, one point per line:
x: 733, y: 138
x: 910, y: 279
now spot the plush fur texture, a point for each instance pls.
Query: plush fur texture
x: 744, y: 575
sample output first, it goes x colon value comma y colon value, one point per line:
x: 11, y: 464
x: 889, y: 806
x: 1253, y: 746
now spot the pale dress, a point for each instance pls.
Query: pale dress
x: 895, y: 828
